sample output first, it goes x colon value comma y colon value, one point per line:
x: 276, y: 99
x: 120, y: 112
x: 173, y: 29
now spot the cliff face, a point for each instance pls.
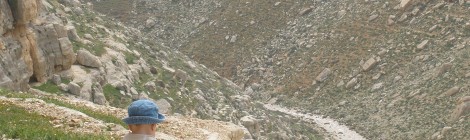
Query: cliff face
x: 33, y: 45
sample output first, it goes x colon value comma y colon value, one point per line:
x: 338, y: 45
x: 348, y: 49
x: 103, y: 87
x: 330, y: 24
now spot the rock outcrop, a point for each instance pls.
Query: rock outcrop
x: 463, y: 107
x: 85, y: 58
x: 34, y: 45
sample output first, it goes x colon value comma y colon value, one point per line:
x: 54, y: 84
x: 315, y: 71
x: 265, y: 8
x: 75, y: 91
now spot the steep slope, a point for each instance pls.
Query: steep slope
x: 112, y: 64
x: 389, y: 69
x: 89, y: 119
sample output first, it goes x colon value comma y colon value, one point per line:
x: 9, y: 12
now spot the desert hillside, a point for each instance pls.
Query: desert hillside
x: 53, y: 51
x: 388, y: 69
x: 246, y: 69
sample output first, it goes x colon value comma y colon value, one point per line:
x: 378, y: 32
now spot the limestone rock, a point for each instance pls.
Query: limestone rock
x: 305, y: 11
x: 56, y: 79
x: 181, y: 75
x: 341, y: 13
x: 98, y: 95
x: 422, y: 45
x: 15, y: 68
x: 164, y: 106
x: 405, y: 3
x: 252, y: 125
x: 63, y: 87
x: 74, y: 88
x: 68, y: 56
x: 85, y: 58
x: 71, y: 3
x: 443, y: 69
x: 351, y: 83
x: 391, y: 20
x: 60, y: 30
x: 134, y: 91
x: 89, y: 36
x: 373, y: 17
x: 233, y: 39
x: 25, y: 10
x: 369, y: 64
x: 51, y: 54
x: 452, y: 91
x: 323, y: 75
x: 462, y: 108
x: 72, y: 33
x: 377, y: 86
x: 6, y: 17
x: 403, y: 17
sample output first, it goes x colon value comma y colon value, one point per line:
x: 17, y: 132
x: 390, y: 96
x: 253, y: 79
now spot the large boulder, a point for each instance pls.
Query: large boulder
x: 24, y: 10
x: 463, y: 108
x: 72, y: 33
x: 98, y: 95
x: 51, y: 53
x: 252, y: 125
x: 164, y: 106
x: 6, y: 17
x: 85, y: 58
x: 74, y: 88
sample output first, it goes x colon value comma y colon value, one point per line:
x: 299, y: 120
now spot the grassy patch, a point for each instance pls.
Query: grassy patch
x: 98, y: 48
x: 109, y: 118
x: 97, y: 115
x: 17, y: 123
x: 114, y: 97
x: 130, y: 57
x: 49, y: 87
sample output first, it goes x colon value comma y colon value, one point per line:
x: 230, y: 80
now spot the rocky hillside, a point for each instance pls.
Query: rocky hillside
x: 389, y: 69
x: 86, y: 119
x: 63, y: 48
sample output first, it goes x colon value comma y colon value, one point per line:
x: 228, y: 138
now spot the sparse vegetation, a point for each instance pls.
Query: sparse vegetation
x: 114, y: 97
x: 49, y: 87
x: 17, y: 123
x: 130, y: 57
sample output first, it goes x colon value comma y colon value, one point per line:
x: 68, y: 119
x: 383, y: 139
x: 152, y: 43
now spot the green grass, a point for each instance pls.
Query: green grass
x: 97, y: 115
x: 109, y: 118
x: 17, y: 123
x: 98, y: 48
x: 114, y: 97
x: 49, y: 87
x: 130, y: 57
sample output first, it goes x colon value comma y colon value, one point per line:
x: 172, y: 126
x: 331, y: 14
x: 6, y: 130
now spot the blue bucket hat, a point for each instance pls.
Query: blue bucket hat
x: 143, y: 112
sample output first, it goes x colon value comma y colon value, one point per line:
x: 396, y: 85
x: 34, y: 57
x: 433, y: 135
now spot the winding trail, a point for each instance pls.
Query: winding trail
x: 338, y: 131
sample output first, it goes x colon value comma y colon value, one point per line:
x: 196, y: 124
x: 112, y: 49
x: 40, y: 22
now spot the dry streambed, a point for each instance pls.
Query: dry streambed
x: 336, y: 130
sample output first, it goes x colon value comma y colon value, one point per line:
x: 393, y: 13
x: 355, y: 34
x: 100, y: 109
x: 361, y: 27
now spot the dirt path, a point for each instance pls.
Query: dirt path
x: 336, y: 130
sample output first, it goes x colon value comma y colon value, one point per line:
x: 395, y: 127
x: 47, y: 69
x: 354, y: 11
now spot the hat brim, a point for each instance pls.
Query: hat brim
x: 144, y: 119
